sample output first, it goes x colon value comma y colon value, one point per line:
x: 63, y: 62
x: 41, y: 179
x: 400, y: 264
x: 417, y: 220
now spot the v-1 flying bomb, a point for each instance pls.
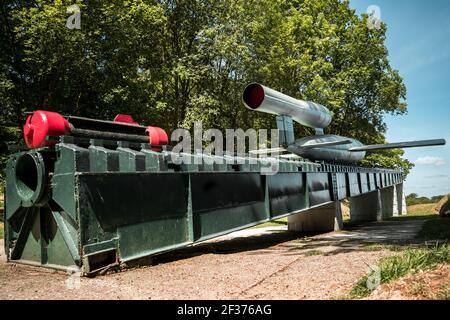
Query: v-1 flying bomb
x: 320, y: 147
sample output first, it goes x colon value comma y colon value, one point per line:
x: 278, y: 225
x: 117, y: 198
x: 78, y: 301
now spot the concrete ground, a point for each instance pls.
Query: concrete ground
x: 269, y: 263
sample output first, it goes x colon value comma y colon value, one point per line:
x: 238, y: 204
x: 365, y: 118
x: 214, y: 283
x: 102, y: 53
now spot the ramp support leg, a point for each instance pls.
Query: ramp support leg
x: 400, y: 200
x: 366, y: 207
x: 388, y: 198
x: 325, y: 218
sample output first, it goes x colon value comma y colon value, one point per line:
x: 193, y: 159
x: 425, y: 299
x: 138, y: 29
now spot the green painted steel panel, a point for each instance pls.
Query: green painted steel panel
x: 11, y: 194
x: 372, y: 185
x: 71, y: 158
x: 364, y: 182
x: 101, y: 246
x: 219, y: 206
x: 341, y: 185
x: 209, y: 224
x: 319, y: 188
x: 353, y: 183
x: 56, y: 251
x: 32, y: 250
x: 221, y: 190
x: 143, y: 239
x: 63, y: 194
x: 378, y: 180
x: 131, y: 160
x: 287, y: 193
x: 118, y: 199
x: 102, y: 159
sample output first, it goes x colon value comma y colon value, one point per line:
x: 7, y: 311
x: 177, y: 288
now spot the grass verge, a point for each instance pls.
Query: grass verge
x: 412, y: 260
x: 380, y: 247
x: 409, y: 262
x: 1, y: 230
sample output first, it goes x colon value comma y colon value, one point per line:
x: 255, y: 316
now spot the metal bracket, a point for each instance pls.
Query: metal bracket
x: 286, y: 127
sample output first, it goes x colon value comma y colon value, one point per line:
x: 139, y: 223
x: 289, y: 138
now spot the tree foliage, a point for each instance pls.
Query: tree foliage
x: 172, y: 62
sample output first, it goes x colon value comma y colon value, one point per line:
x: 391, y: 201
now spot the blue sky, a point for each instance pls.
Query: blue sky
x: 418, y: 40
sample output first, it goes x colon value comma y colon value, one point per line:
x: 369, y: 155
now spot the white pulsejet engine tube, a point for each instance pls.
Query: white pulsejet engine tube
x: 260, y: 98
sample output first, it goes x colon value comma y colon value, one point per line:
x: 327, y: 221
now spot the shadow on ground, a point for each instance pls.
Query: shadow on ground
x: 264, y: 240
x: 367, y: 237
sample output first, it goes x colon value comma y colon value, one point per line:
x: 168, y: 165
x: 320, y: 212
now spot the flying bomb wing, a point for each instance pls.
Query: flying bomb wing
x: 325, y: 144
x: 305, y: 146
x: 267, y: 151
x: 400, y: 145
x: 290, y: 156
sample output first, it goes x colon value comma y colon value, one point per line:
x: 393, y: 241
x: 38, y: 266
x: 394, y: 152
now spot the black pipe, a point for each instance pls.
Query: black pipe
x: 94, y: 134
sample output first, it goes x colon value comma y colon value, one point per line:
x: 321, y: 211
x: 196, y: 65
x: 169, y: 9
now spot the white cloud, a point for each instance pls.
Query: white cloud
x: 430, y: 161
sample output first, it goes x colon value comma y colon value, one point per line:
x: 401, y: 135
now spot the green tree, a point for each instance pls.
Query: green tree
x: 172, y: 62
x: 112, y: 65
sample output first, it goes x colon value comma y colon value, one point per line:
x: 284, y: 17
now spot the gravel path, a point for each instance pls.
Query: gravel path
x: 269, y: 263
